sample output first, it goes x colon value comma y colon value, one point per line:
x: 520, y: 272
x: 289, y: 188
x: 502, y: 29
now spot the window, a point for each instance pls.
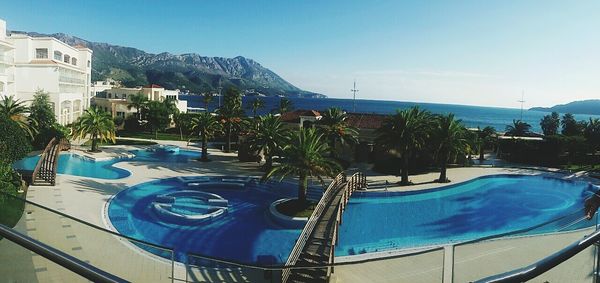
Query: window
x: 110, y: 95
x: 67, y: 58
x: 41, y: 53
x: 89, y: 63
x: 74, y: 61
x: 57, y: 55
x: 1, y: 86
x: 121, y: 114
x: 124, y: 96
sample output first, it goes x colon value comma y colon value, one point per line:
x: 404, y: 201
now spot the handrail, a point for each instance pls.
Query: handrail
x: 69, y: 262
x: 310, y: 225
x: 42, y: 159
x: 529, y: 272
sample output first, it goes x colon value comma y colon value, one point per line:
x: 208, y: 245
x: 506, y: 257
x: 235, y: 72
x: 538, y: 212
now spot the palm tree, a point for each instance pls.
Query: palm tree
x: 304, y: 157
x: 207, y: 98
x: 518, y: 128
x: 285, y: 105
x: 231, y: 114
x: 16, y: 111
x: 96, y: 123
x: 406, y: 131
x: 451, y: 136
x: 485, y: 139
x: 138, y: 101
x: 268, y: 136
x: 337, y: 130
x: 206, y: 126
x: 256, y: 105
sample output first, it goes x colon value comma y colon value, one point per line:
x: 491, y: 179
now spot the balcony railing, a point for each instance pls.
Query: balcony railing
x: 70, y: 80
x: 6, y: 59
x: 140, y: 261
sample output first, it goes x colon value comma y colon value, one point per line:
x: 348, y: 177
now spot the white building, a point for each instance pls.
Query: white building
x: 29, y: 64
x: 116, y: 100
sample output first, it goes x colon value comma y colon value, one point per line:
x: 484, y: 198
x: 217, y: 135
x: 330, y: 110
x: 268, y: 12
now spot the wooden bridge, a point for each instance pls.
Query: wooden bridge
x: 44, y: 173
x: 316, y: 244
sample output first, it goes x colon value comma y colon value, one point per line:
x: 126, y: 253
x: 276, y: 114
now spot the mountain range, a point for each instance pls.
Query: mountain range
x: 590, y: 107
x: 193, y: 72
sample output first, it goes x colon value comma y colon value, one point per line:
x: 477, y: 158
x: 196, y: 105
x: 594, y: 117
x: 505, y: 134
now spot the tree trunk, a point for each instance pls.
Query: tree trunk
x: 443, y: 178
x: 268, y: 162
x: 332, y: 147
x: 156, y: 134
x: 180, y: 134
x: 481, y: 154
x: 302, y: 188
x: 228, y: 146
x: 94, y: 143
x: 204, y: 148
x: 404, y: 170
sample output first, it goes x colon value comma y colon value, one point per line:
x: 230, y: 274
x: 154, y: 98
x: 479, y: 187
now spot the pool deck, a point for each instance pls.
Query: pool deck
x: 85, y: 199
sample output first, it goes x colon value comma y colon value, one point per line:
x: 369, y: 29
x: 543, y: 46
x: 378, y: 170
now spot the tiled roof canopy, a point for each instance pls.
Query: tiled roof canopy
x: 357, y: 120
x: 152, y: 86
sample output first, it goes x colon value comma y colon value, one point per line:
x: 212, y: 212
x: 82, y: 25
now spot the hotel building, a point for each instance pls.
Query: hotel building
x: 29, y: 64
x: 116, y: 100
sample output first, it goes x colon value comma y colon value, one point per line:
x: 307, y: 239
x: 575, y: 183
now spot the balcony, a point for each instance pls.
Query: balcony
x: 7, y: 60
x: 71, y: 80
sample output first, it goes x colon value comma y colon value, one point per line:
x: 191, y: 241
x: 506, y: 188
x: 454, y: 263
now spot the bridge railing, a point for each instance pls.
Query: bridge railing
x: 330, y: 192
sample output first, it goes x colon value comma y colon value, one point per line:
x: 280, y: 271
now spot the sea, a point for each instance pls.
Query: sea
x: 471, y: 116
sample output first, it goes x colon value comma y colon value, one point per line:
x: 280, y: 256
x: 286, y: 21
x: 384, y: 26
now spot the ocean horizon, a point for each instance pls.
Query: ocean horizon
x: 471, y: 116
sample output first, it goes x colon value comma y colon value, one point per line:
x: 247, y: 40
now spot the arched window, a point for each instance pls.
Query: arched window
x: 74, y: 61
x: 67, y: 59
x: 58, y: 55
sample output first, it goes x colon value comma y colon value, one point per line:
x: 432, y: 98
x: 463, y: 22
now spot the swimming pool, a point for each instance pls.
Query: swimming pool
x: 486, y: 206
x: 74, y: 164
x: 245, y: 233
x: 373, y: 221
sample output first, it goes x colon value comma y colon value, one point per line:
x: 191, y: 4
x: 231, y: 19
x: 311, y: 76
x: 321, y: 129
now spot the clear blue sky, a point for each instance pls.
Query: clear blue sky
x: 461, y: 52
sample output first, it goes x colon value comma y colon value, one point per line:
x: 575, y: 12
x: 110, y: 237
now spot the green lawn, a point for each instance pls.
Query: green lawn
x: 150, y: 136
x: 580, y: 167
x: 122, y: 142
x: 296, y: 209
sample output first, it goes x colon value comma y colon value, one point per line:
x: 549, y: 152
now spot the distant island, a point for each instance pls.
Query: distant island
x: 590, y: 107
x: 191, y: 72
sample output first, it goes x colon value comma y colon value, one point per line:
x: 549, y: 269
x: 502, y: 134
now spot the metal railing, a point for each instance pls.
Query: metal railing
x: 538, y: 268
x: 69, y: 262
x: 398, y: 264
x: 339, y: 180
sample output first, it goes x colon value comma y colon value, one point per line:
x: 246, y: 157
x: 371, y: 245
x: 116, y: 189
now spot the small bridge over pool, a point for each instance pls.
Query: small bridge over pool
x: 44, y: 173
x: 316, y: 244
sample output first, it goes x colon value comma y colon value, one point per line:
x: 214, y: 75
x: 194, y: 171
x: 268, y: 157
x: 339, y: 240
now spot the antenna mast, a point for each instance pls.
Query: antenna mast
x: 522, y: 101
x: 354, y: 91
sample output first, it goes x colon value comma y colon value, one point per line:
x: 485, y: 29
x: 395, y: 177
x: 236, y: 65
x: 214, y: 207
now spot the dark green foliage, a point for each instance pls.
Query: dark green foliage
x: 552, y: 151
x: 132, y: 124
x: 518, y: 129
x: 570, y: 126
x: 118, y: 120
x: 285, y: 105
x: 45, y: 135
x: 41, y: 111
x: 592, y: 133
x: 406, y: 132
x: 231, y: 114
x: 14, y: 143
x: 550, y: 124
x: 157, y: 116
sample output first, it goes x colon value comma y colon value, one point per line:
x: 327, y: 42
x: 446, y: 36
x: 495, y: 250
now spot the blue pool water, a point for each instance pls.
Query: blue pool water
x: 73, y: 164
x: 482, y: 207
x: 245, y: 233
x: 373, y: 221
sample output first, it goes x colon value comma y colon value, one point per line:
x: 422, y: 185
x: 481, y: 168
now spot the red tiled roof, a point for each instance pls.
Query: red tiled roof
x: 357, y: 120
x: 152, y: 86
x: 365, y: 121
x: 294, y: 116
